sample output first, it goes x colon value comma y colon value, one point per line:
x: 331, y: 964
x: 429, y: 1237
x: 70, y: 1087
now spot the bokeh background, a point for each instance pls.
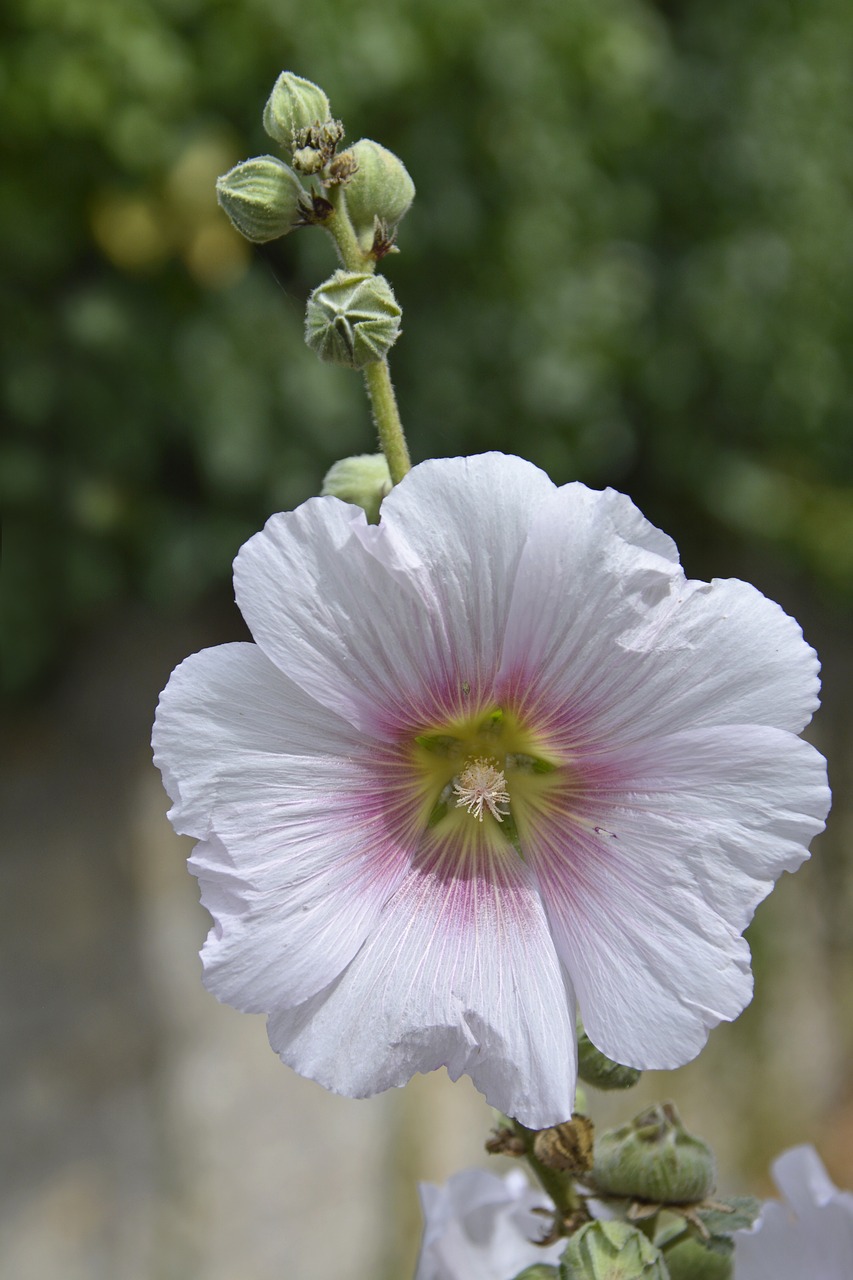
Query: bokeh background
x: 631, y: 261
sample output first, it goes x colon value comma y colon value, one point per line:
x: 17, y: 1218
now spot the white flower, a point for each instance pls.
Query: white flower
x: 491, y: 758
x: 809, y: 1236
x: 479, y: 1226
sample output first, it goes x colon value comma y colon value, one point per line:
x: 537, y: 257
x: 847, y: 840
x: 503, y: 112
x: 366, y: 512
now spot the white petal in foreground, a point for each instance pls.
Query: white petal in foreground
x: 610, y: 635
x: 808, y: 1236
x: 227, y: 705
x: 649, y: 887
x: 479, y: 1226
x: 461, y: 972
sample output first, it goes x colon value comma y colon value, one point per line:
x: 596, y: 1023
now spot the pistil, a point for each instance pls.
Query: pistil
x: 480, y: 786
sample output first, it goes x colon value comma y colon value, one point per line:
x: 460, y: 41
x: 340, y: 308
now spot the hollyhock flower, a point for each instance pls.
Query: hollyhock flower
x: 479, y: 1226
x: 489, y: 760
x: 809, y: 1235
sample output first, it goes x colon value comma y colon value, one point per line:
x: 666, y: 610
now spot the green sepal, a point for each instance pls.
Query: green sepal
x: 744, y: 1211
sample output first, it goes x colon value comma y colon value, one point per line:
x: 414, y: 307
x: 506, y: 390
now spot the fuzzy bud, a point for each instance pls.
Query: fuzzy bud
x: 654, y: 1158
x: 352, y: 319
x: 611, y: 1251
x: 261, y: 197
x: 380, y: 191
x: 599, y: 1071
x: 364, y: 480
x: 293, y: 106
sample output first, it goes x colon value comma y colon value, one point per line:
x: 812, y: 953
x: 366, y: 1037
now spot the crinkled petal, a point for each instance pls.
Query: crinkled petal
x: 302, y: 856
x: 225, y: 704
x: 385, y: 624
x: 460, y: 972
x: 607, y: 639
x: 651, y: 867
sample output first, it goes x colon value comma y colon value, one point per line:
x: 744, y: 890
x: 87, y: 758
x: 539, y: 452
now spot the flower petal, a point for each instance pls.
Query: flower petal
x: 223, y: 704
x: 460, y: 972
x: 480, y: 1226
x: 385, y: 624
x: 609, y: 637
x: 652, y: 873
x: 302, y: 856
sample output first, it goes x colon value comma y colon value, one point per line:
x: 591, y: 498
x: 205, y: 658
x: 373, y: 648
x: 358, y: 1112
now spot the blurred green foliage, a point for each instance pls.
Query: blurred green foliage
x: 629, y: 260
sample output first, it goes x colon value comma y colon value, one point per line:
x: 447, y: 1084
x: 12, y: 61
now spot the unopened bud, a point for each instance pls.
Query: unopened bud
x: 692, y: 1259
x: 294, y: 104
x: 261, y: 197
x: 364, y: 480
x: 611, y: 1251
x: 654, y: 1158
x: 601, y: 1072
x: 352, y: 319
x: 539, y: 1271
x: 380, y: 190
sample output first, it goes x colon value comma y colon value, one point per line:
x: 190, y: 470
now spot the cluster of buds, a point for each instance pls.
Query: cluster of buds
x: 352, y: 319
x: 633, y: 1202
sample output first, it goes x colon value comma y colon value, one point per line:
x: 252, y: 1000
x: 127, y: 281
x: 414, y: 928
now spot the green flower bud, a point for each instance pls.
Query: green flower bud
x: 379, y: 192
x: 294, y: 104
x: 611, y: 1251
x: 601, y: 1072
x: 692, y: 1259
x: 364, y: 480
x: 654, y: 1158
x: 261, y: 197
x: 352, y: 319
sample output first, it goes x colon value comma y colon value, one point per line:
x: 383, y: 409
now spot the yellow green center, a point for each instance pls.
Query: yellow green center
x: 487, y: 768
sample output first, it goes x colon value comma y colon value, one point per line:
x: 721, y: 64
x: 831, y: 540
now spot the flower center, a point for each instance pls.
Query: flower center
x: 488, y: 766
x: 481, y: 785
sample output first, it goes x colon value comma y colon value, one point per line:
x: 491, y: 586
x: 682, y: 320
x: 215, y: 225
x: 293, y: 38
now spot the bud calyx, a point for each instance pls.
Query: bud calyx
x: 352, y: 319
x: 654, y: 1158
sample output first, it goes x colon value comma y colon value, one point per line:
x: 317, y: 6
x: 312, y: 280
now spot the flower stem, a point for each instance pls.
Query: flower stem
x: 340, y: 228
x: 377, y: 378
x: 386, y: 418
x: 558, y: 1186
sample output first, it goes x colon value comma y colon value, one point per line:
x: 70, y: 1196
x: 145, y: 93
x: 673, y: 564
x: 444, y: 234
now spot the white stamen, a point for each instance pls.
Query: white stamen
x: 482, y: 786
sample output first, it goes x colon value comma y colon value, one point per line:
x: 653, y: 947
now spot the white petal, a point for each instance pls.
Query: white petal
x: 811, y: 1235
x: 460, y: 972
x: 800, y: 1176
x: 385, y: 624
x: 302, y: 856
x: 467, y: 521
x: 223, y: 704
x: 479, y: 1226
x: 610, y: 636
x: 649, y: 886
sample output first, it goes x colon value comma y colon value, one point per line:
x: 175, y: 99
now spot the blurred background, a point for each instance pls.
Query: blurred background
x: 631, y: 261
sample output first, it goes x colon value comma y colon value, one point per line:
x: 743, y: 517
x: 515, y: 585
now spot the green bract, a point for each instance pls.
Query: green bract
x: 379, y: 189
x: 363, y: 479
x: 261, y: 197
x: 293, y: 105
x: 654, y: 1158
x: 352, y: 319
x: 611, y: 1251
